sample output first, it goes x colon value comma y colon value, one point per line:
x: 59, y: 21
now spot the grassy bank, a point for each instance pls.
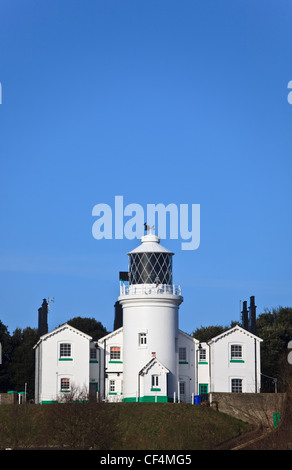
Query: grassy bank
x: 122, y: 426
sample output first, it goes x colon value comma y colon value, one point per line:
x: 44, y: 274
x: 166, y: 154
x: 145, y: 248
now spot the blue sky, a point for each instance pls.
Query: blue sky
x: 160, y: 101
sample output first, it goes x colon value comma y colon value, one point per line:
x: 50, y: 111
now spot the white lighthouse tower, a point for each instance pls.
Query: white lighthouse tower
x: 150, y: 324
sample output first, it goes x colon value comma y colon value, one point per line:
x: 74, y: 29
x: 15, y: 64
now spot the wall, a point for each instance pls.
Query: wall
x: 186, y: 369
x: 9, y: 398
x: 254, y: 408
x: 223, y: 369
x: 157, y: 316
x: 50, y: 368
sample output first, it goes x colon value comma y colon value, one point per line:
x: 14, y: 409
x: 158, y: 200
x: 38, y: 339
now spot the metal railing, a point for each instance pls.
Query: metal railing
x: 144, y: 289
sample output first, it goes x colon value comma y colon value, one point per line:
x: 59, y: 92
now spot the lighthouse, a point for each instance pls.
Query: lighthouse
x: 146, y: 358
x: 150, y: 304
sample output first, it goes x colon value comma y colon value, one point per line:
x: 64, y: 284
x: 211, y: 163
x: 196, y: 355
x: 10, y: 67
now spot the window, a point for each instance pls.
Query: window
x: 150, y: 268
x: 182, y: 388
x: 236, y: 385
x: 112, y: 386
x: 155, y: 381
x: 236, y: 352
x: 202, y: 355
x: 93, y: 354
x: 65, y: 385
x: 142, y: 339
x: 115, y: 353
x: 65, y: 350
x: 182, y: 354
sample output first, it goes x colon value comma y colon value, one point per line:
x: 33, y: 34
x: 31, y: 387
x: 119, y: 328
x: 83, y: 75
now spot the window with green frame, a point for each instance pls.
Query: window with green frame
x: 65, y: 352
x: 236, y: 353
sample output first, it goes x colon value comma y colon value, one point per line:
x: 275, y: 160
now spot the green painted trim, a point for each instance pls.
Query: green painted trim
x: 155, y: 389
x: 48, y: 402
x: 12, y: 391
x: 65, y: 391
x: 148, y: 399
x: 65, y: 359
x: 151, y: 399
x: 115, y: 362
x: 236, y: 360
x: 183, y: 362
x: 202, y: 362
x: 93, y: 361
x: 112, y: 393
x: 201, y: 386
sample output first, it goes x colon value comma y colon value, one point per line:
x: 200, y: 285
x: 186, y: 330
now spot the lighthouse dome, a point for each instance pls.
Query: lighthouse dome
x: 150, y: 262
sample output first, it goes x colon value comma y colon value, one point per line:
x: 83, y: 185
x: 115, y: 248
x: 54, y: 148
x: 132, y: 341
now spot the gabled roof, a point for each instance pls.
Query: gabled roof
x: 183, y: 333
x: 232, y: 330
x: 150, y: 364
x: 60, y: 328
x: 111, y: 334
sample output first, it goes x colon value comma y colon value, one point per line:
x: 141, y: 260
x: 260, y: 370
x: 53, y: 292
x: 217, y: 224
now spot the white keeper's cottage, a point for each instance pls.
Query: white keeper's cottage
x: 147, y: 358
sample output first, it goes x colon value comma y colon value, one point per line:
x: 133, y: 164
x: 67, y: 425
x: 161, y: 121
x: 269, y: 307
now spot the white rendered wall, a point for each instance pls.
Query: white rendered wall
x: 223, y: 370
x: 146, y: 388
x: 111, y: 369
x: 157, y: 316
x: 51, y: 369
x: 203, y: 368
x: 187, y: 368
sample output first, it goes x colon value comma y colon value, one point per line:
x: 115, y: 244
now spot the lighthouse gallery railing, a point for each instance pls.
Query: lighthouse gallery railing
x: 138, y: 289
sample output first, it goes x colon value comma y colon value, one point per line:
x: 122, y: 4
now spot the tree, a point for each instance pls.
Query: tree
x: 205, y: 333
x: 89, y: 326
x: 275, y: 329
x: 6, y: 352
x: 22, y: 364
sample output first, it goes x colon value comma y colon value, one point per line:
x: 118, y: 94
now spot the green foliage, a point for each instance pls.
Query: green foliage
x: 205, y: 333
x: 18, y: 355
x: 18, y: 359
x: 22, y: 365
x: 6, y: 349
x: 89, y: 326
x: 275, y: 329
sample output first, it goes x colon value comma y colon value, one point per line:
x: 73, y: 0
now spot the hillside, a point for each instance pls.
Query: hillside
x: 124, y: 426
x: 281, y: 437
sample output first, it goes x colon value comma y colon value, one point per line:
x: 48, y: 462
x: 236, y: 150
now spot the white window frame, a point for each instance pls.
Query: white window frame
x: 112, y: 386
x: 236, y: 352
x: 202, y: 354
x: 93, y: 354
x: 115, y: 355
x: 154, y: 381
x: 182, y: 354
x: 142, y: 340
x: 65, y: 350
x: 182, y: 388
x: 238, y: 386
x: 68, y: 382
